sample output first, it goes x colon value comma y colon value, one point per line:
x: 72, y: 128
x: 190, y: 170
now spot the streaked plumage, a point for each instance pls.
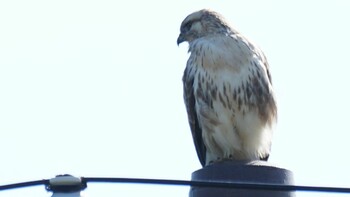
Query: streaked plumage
x: 227, y: 91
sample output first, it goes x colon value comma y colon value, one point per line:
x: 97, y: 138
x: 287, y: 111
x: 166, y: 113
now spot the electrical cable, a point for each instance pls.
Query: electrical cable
x: 24, y: 184
x: 232, y: 185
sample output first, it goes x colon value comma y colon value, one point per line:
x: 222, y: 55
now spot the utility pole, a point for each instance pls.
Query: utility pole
x: 242, y: 172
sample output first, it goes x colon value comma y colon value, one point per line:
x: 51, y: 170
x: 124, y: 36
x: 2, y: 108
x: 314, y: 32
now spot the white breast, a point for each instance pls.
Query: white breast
x: 230, y: 129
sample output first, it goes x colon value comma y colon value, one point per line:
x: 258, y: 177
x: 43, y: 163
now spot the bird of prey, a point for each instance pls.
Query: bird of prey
x: 227, y: 91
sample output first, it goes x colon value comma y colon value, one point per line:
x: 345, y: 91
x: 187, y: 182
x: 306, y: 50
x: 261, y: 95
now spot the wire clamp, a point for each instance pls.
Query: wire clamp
x: 66, y: 184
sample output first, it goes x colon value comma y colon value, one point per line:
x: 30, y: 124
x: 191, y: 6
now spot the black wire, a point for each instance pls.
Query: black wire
x: 232, y: 185
x: 24, y: 184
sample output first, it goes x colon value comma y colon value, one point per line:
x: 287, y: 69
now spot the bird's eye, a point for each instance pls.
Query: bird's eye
x: 187, y: 26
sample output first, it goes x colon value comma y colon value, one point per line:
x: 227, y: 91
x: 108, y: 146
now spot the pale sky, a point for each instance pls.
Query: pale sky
x: 93, y: 88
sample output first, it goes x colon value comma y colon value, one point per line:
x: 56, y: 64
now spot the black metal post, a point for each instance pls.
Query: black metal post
x: 244, y: 172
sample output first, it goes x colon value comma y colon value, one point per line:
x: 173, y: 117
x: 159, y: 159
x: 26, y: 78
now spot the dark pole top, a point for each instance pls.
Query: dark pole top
x: 244, y: 172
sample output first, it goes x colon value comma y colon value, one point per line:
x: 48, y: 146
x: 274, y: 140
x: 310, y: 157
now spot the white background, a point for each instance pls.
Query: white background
x: 93, y: 88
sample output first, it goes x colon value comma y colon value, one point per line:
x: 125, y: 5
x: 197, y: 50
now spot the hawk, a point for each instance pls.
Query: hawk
x: 227, y: 91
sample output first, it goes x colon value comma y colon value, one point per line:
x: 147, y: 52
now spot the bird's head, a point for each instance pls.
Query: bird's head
x: 202, y: 23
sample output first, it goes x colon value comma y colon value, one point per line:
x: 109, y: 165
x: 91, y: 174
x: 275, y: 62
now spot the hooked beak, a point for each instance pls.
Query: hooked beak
x: 180, y: 39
